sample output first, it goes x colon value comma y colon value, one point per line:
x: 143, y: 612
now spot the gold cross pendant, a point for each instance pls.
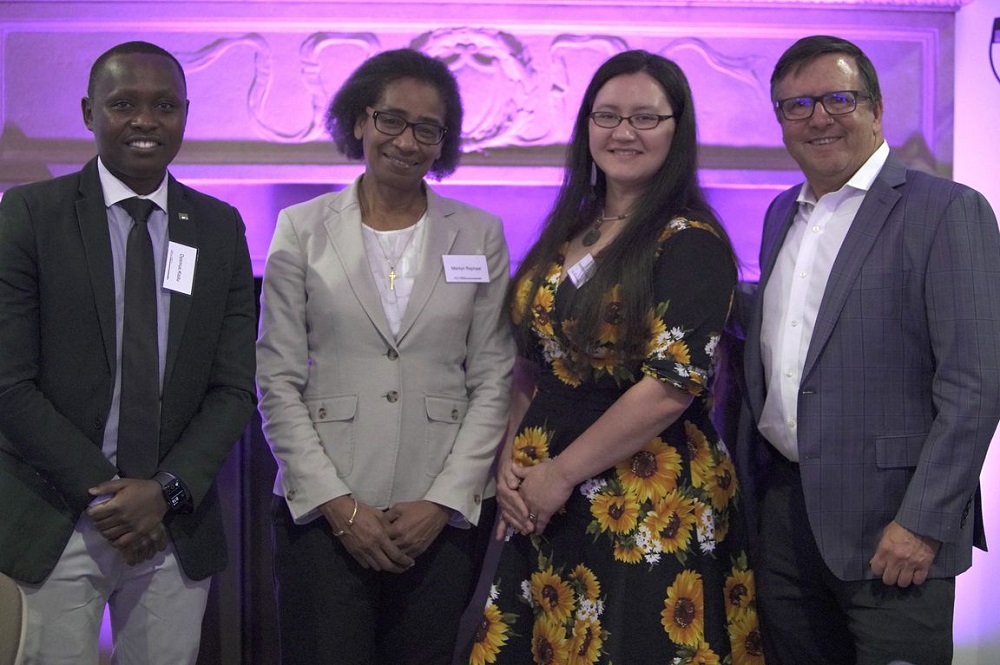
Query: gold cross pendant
x: 392, y: 278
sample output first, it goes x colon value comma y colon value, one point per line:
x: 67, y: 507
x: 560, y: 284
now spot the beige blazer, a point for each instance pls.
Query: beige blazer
x: 347, y: 407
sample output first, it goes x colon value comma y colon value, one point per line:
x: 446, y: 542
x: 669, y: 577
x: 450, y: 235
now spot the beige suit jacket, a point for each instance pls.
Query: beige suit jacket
x: 347, y: 407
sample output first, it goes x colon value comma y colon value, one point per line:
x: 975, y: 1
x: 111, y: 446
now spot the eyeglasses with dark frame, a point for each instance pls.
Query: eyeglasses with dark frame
x: 839, y: 102
x: 391, y: 124
x: 643, y: 121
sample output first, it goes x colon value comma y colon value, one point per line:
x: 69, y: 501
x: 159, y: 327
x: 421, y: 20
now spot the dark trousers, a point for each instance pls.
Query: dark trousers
x: 810, y: 616
x: 332, y: 611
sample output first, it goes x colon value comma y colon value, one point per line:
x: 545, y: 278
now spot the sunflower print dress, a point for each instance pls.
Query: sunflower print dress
x: 647, y: 562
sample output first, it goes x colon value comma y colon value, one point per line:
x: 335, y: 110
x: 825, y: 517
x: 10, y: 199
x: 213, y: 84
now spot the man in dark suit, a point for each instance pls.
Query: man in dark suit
x: 873, y: 376
x: 110, y: 440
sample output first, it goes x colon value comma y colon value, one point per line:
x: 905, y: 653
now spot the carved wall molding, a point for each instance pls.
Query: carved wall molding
x: 259, y: 96
x: 260, y: 75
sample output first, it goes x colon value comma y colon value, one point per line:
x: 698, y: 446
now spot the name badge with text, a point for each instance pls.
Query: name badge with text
x: 179, y: 274
x: 465, y: 268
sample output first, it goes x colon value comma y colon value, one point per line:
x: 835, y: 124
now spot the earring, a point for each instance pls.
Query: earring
x: 593, y: 174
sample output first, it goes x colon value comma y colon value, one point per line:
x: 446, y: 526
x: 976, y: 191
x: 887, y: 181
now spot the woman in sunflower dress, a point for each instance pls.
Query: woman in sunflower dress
x: 625, y: 541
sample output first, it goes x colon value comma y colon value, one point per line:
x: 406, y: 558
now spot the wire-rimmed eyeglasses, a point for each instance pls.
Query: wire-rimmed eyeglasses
x: 391, y: 124
x: 609, y: 120
x: 840, y: 102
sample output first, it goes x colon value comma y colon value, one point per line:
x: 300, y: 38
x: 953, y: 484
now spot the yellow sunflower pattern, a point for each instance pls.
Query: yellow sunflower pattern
x: 661, y: 524
x: 492, y: 632
x: 683, y: 615
x: 741, y: 614
x: 531, y: 446
x: 606, y: 360
x: 567, y: 609
x: 649, y: 511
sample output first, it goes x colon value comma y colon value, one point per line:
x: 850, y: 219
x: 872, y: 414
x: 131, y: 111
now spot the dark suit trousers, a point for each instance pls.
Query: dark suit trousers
x: 332, y: 611
x: 810, y: 616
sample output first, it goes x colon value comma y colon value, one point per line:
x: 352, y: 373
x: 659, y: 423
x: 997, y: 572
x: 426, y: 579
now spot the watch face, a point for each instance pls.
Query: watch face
x: 176, y: 497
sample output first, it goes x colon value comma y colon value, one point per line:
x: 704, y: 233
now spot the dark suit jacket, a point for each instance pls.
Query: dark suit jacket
x: 900, y: 392
x: 57, y: 366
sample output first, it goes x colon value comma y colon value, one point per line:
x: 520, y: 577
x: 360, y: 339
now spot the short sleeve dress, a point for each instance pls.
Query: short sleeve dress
x: 647, y: 562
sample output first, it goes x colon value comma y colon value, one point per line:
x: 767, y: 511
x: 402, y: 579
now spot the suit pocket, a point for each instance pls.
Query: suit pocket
x: 31, y: 506
x: 444, y: 418
x: 333, y: 419
x: 899, y: 452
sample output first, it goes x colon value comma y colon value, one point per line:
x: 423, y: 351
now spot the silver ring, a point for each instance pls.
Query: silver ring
x: 532, y: 517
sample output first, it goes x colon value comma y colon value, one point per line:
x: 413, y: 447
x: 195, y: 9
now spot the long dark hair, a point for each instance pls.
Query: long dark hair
x: 366, y: 86
x: 629, y: 259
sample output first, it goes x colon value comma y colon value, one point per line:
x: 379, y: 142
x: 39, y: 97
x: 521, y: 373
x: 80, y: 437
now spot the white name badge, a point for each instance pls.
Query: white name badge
x: 465, y: 268
x: 583, y: 270
x: 179, y: 274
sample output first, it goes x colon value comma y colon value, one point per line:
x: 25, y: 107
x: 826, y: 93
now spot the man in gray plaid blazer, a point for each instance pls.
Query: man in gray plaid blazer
x: 873, y: 377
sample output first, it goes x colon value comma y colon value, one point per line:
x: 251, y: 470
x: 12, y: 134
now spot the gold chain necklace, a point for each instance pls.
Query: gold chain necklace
x: 395, y: 259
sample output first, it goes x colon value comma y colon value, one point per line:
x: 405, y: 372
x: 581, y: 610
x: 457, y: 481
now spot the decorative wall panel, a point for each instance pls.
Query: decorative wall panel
x: 260, y: 75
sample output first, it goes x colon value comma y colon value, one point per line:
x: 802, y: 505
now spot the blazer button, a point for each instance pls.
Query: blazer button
x: 454, y: 414
x: 322, y: 412
x: 391, y: 354
x: 477, y: 499
x: 392, y: 396
x: 290, y: 495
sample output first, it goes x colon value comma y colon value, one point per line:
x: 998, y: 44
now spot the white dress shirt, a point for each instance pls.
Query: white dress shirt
x: 119, y: 225
x: 794, y: 292
x: 399, y: 250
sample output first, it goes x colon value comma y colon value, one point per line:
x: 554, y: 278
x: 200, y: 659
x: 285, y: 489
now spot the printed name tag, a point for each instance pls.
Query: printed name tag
x: 465, y: 268
x: 582, y: 271
x: 179, y: 274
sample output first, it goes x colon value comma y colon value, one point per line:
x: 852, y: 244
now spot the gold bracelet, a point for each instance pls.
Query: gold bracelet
x: 350, y: 522
x: 354, y: 514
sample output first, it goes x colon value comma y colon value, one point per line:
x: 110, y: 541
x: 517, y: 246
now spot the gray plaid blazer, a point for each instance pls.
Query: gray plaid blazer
x: 900, y: 392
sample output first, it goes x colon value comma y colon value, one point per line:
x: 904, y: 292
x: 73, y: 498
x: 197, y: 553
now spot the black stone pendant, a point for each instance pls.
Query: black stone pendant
x: 592, y: 236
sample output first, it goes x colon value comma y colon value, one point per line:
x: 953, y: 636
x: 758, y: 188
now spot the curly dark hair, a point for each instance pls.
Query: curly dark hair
x: 366, y: 86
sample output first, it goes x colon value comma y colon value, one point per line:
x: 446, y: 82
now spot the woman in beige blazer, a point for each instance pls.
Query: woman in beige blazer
x: 384, y: 366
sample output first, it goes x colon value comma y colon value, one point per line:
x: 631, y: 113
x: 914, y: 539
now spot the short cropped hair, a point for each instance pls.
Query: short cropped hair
x: 808, y: 49
x: 129, y: 48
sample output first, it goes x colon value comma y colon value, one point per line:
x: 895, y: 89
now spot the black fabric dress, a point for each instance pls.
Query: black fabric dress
x: 647, y: 563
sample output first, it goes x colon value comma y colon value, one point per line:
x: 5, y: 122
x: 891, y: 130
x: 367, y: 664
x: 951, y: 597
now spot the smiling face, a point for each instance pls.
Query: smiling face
x: 631, y: 157
x: 830, y: 149
x: 401, y: 162
x: 137, y: 114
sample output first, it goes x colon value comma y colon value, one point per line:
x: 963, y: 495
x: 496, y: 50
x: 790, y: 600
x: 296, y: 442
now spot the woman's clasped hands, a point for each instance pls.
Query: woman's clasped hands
x: 528, y: 496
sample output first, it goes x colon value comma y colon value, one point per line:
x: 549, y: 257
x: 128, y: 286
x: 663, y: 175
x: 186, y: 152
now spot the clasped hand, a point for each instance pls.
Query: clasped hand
x: 132, y: 519
x: 528, y: 496
x: 387, y: 540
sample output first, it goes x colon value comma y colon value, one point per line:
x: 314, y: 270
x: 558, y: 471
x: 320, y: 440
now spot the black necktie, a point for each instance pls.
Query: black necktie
x: 139, y: 415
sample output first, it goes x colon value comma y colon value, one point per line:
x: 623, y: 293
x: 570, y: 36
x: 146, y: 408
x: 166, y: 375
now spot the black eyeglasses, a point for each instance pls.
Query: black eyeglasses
x: 840, y: 102
x: 609, y: 120
x: 391, y: 124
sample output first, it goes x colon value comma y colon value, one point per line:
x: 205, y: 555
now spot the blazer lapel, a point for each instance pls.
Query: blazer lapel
x: 181, y: 228
x: 439, y: 237
x: 868, y: 222
x: 92, y: 216
x: 344, y: 229
x: 774, y: 237
x: 783, y: 214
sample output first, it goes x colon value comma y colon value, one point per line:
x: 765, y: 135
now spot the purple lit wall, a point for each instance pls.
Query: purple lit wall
x: 261, y: 72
